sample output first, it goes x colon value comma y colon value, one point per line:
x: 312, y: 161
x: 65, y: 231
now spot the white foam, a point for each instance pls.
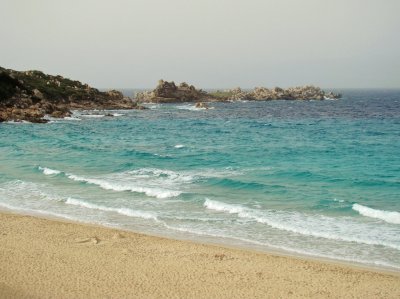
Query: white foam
x: 338, y: 200
x: 49, y: 171
x: 122, y: 211
x: 18, y: 122
x: 118, y: 114
x: 320, y: 226
x: 28, y: 191
x: 190, y: 107
x: 38, y: 211
x: 210, y: 233
x: 110, y: 184
x: 387, y: 216
x: 71, y: 118
x: 93, y: 115
x: 179, y: 146
x: 146, y: 180
x: 223, y: 207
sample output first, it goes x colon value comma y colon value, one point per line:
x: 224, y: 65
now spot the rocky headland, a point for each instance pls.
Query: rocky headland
x: 31, y: 95
x: 168, y: 92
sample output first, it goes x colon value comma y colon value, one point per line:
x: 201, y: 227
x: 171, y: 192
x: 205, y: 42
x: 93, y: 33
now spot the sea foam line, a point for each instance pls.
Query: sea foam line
x: 387, y: 216
x: 126, y: 186
x: 313, y: 225
x: 145, y: 180
x: 128, y: 181
x: 49, y: 171
x: 122, y: 211
x: 279, y: 247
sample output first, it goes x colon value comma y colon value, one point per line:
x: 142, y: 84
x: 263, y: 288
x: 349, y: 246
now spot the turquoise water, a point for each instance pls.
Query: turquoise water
x: 314, y: 178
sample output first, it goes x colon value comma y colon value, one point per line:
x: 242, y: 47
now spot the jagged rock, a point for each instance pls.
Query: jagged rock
x: 202, y: 105
x: 307, y: 92
x: 168, y: 92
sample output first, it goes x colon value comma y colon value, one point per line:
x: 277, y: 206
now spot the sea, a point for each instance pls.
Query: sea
x: 312, y: 178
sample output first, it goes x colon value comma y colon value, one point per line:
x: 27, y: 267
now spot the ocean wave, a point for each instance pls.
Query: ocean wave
x: 18, y: 189
x: 110, y: 184
x: 236, y: 184
x: 49, y: 171
x: 146, y: 180
x: 38, y: 211
x: 122, y: 211
x: 179, y: 146
x: 223, y: 207
x: 320, y: 226
x: 314, y: 253
x: 387, y: 216
x: 191, y: 107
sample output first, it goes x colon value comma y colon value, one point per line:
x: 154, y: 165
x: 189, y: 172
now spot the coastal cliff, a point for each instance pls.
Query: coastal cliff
x: 31, y: 95
x: 168, y: 92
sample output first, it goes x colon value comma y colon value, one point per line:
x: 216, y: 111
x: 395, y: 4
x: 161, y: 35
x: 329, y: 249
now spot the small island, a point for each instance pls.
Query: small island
x: 169, y: 92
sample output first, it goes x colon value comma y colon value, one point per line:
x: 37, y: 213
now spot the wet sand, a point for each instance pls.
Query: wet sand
x: 42, y: 258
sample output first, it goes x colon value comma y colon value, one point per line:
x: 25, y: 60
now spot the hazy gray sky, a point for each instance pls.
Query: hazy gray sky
x: 209, y: 43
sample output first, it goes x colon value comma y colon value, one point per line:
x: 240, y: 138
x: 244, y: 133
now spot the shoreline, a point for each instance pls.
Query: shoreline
x: 45, y: 257
x: 212, y: 241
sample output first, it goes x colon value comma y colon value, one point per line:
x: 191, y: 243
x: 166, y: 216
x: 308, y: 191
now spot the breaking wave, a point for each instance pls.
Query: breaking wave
x: 320, y: 226
x: 122, y: 211
x: 387, y: 216
x: 112, y: 184
x: 49, y: 171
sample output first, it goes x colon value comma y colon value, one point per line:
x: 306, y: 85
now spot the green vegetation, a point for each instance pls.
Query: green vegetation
x: 221, y: 94
x: 54, y: 87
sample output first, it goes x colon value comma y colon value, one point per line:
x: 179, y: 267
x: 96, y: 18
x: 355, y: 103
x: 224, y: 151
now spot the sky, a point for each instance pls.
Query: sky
x: 207, y: 43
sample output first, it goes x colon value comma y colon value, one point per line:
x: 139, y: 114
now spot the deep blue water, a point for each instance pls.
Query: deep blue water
x: 319, y: 178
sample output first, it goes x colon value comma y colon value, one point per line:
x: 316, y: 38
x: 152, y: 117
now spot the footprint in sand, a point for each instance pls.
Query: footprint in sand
x: 93, y: 240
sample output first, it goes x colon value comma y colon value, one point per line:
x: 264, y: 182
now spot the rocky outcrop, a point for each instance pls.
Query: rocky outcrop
x: 202, y: 105
x: 168, y: 92
x: 30, y: 95
x: 293, y: 93
x: 307, y: 92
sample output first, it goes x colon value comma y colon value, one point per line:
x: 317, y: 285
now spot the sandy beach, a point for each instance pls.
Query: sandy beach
x: 42, y: 258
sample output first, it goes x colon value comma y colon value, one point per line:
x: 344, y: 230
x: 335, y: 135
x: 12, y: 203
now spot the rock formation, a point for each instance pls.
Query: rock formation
x: 202, y: 105
x: 31, y: 95
x: 168, y: 92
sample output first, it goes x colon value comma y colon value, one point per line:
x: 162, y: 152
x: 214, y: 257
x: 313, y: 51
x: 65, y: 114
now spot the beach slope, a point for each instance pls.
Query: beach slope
x: 41, y: 258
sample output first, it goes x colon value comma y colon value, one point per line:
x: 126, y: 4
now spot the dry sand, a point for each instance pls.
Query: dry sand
x: 41, y: 258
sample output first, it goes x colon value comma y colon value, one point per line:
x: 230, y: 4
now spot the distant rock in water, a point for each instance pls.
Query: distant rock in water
x: 202, y: 105
x: 30, y: 95
x: 307, y: 92
x: 168, y: 92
